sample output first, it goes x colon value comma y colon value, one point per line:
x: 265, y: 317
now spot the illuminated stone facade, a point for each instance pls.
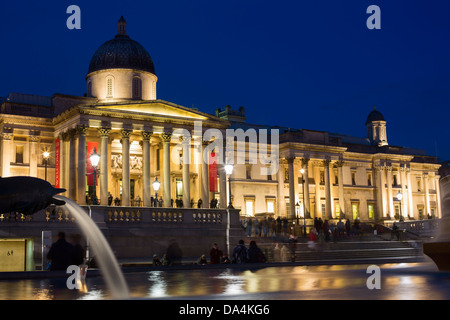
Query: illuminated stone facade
x: 139, y: 140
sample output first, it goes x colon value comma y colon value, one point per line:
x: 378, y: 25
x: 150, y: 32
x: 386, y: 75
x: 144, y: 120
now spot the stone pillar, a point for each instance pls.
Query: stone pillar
x: 205, y: 176
x: 438, y: 213
x: 81, y: 177
x: 186, y: 143
x: 326, y: 164
x: 65, y: 182
x: 166, y: 138
x: 410, y: 196
x: 291, y: 213
x: 280, y: 190
x: 104, y: 160
x: 223, y: 186
x: 146, y: 135
x: 382, y: 190
x: 126, y: 167
x: 7, y: 136
x: 404, y: 192
x: 316, y: 171
x: 340, y: 165
x: 390, y: 194
x: 72, y: 164
x: 34, y: 156
x: 427, y: 196
x: 307, y: 205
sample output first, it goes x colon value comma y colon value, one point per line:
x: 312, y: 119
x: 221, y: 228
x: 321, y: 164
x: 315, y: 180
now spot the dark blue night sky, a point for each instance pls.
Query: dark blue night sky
x: 300, y: 64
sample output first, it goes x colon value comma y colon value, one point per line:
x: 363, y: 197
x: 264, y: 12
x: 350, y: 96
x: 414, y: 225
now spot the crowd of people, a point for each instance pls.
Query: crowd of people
x: 265, y: 227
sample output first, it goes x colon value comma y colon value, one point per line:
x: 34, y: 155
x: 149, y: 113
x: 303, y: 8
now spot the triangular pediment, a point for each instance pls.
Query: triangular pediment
x: 157, y: 108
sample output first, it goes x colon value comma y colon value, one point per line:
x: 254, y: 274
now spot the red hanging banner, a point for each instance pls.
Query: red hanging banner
x: 212, y: 172
x: 57, y: 163
x: 89, y: 168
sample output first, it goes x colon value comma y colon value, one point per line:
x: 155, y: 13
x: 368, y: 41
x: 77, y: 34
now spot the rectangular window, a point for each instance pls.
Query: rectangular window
x: 249, y: 207
x: 419, y: 185
x: 324, y: 213
x: 397, y: 211
x: 109, y: 88
x: 420, y: 209
x: 337, y: 210
x: 355, y: 210
x: 19, y: 154
x: 369, y: 179
x: 179, y: 188
x: 353, y: 178
x: 322, y: 177
x: 270, y: 205
x: 248, y: 174
x: 269, y: 177
x: 371, y: 210
x: 395, y: 180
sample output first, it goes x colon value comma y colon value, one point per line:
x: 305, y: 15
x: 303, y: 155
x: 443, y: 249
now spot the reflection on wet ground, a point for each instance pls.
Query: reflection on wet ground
x: 412, y: 281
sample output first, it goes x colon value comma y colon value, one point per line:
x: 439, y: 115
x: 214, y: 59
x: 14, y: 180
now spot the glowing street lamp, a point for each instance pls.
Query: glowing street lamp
x: 95, y: 159
x: 156, y: 184
x: 46, y: 156
x: 229, y: 170
x: 302, y: 171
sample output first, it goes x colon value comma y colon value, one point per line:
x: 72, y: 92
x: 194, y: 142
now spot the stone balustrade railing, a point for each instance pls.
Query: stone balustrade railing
x: 427, y: 228
x: 129, y: 215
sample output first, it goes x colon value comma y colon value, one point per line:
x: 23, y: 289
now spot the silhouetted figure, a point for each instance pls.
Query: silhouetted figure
x: 199, y: 203
x: 156, y: 261
x: 255, y: 254
x: 174, y: 253
x: 78, y: 252
x: 215, y: 254
x: 110, y: 199
x: 60, y: 254
x: 240, y: 253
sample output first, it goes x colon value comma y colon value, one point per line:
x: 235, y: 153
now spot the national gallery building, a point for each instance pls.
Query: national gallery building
x: 138, y: 139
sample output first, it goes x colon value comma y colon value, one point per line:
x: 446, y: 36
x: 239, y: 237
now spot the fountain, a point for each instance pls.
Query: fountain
x: 29, y: 195
x: 439, y: 250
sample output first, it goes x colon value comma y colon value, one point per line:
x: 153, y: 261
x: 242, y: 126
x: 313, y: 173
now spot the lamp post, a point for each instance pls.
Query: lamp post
x: 229, y: 171
x: 95, y: 159
x: 302, y: 171
x: 46, y: 156
x: 156, y: 184
x: 297, y: 211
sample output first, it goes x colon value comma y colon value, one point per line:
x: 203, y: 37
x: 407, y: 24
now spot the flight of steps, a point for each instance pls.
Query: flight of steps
x: 367, y: 249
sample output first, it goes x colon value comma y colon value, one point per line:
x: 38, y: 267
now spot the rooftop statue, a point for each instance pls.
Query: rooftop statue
x: 27, y: 195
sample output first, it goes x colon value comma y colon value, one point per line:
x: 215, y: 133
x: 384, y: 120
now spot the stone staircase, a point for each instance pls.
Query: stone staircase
x: 368, y: 248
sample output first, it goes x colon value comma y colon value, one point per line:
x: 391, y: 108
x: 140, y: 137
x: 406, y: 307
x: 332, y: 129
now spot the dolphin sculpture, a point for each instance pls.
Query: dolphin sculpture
x: 27, y: 195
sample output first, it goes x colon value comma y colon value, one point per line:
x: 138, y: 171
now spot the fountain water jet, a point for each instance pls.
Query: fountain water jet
x: 439, y: 250
x: 104, y: 256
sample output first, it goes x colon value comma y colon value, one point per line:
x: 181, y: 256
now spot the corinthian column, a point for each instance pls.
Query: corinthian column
x: 166, y: 138
x: 340, y: 164
x: 104, y: 135
x: 146, y: 135
x: 305, y: 162
x: 126, y: 167
x: 205, y: 176
x: 326, y: 164
x: 291, y: 214
x: 34, y: 156
x: 186, y: 143
x: 81, y: 190
x: 7, y: 135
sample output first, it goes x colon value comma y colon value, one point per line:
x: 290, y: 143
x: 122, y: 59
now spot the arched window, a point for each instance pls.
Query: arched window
x: 109, y: 87
x: 137, y: 88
